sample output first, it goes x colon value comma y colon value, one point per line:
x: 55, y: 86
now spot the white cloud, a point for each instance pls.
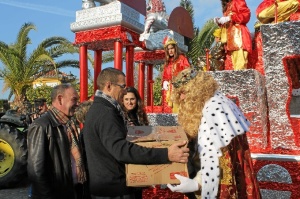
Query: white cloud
x: 40, y: 8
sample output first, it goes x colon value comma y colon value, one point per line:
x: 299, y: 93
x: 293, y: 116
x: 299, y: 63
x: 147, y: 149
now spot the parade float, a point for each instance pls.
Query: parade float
x: 264, y: 92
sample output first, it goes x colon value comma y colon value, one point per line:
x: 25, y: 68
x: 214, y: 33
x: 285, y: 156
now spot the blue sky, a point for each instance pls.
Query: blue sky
x: 53, y: 18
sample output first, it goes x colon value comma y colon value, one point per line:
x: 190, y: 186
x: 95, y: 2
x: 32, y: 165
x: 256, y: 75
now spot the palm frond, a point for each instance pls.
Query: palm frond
x: 67, y: 63
x: 20, y: 67
x: 23, y: 40
x: 203, y: 40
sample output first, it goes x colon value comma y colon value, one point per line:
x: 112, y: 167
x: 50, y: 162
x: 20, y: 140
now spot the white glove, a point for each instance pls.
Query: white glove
x: 166, y: 85
x: 186, y: 185
x: 224, y: 20
x: 216, y: 20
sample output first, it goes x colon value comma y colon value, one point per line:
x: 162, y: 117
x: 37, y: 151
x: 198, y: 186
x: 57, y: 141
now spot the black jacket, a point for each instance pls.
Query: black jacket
x: 49, y: 164
x: 107, y: 150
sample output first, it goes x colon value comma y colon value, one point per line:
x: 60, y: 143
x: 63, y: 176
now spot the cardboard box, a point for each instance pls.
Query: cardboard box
x: 155, y: 137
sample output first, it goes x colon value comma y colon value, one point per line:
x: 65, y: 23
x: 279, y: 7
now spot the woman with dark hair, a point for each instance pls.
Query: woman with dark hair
x: 135, y: 115
x: 133, y: 107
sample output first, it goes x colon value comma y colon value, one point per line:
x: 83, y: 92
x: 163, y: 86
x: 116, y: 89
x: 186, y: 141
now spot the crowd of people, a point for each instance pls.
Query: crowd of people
x: 62, y: 159
x: 68, y: 162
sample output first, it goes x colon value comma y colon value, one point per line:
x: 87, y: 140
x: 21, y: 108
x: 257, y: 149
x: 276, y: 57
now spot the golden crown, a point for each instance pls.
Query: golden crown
x: 185, y: 76
x: 168, y: 41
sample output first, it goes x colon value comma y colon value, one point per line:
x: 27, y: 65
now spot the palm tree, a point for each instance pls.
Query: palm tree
x: 19, y: 66
x: 202, y: 41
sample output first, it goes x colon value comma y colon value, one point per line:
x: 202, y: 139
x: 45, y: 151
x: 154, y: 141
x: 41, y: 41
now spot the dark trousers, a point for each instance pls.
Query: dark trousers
x: 82, y: 191
x: 131, y: 196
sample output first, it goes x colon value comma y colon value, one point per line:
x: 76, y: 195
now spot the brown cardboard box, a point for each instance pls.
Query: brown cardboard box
x: 155, y: 137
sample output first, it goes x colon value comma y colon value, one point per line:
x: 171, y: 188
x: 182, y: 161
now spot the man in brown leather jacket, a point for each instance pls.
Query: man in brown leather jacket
x: 55, y: 166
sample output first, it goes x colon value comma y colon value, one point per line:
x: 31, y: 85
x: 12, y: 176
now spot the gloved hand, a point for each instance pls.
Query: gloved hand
x: 186, y: 185
x: 166, y: 85
x: 216, y: 20
x: 223, y: 20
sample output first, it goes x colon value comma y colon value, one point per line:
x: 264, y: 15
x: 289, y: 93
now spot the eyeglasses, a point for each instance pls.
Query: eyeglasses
x: 123, y: 86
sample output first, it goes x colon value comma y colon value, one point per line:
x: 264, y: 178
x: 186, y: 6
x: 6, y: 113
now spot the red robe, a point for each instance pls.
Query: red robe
x: 172, y: 69
x: 240, y: 14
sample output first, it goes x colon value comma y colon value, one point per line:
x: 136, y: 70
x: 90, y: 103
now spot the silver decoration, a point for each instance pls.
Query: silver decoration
x: 296, y: 92
x: 129, y: 37
x: 149, y: 61
x: 162, y: 119
x: 248, y: 86
x: 154, y: 41
x: 155, y: 20
x: 115, y: 13
x: 272, y: 194
x: 275, y: 157
x: 86, y: 4
x: 295, y: 107
x: 274, y: 173
x: 103, y: 2
x: 279, y: 40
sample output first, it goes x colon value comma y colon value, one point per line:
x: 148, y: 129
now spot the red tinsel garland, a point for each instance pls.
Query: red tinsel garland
x: 103, y: 38
x: 149, y: 57
x: 158, y: 193
x: 256, y: 60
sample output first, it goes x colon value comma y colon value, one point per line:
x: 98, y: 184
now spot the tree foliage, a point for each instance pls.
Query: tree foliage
x: 157, y: 86
x: 42, y: 91
x: 202, y: 41
x: 203, y: 38
x: 157, y: 91
x: 76, y: 85
x: 20, y: 66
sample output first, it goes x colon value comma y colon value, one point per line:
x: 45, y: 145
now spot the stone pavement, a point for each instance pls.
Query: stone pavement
x: 18, y: 192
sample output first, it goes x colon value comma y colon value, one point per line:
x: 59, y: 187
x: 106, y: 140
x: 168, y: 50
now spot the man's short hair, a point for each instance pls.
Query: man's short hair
x: 108, y: 75
x: 59, y: 89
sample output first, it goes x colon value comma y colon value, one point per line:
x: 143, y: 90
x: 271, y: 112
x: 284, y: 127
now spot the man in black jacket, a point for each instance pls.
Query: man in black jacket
x: 107, y: 149
x: 55, y: 166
